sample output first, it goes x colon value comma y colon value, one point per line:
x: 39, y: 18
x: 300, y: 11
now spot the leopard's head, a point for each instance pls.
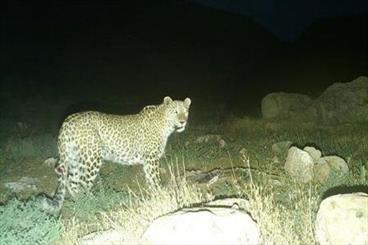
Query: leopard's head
x: 177, y: 113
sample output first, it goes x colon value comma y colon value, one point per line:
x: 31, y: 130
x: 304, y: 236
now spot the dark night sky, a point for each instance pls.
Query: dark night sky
x: 229, y: 50
x: 288, y: 18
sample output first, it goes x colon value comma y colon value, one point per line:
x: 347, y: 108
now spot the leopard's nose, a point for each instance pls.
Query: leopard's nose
x: 182, y: 122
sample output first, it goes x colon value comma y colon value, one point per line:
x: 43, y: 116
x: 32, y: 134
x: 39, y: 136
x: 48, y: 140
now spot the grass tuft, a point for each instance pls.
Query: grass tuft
x: 134, y: 216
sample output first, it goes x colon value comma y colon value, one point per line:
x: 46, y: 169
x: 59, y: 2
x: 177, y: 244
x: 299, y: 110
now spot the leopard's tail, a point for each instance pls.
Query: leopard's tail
x: 53, y: 204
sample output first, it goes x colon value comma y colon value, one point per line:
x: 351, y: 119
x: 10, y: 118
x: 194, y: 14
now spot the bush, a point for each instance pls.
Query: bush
x: 22, y: 223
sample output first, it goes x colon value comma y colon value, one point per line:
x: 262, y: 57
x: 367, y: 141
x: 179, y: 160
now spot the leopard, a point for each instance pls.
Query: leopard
x: 88, y: 139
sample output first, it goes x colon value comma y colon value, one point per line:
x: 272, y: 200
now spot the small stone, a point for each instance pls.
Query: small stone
x: 281, y: 148
x: 222, y: 143
x: 208, y: 138
x: 51, y: 162
x: 275, y: 160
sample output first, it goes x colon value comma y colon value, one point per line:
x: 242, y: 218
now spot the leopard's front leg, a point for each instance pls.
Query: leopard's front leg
x: 152, y: 173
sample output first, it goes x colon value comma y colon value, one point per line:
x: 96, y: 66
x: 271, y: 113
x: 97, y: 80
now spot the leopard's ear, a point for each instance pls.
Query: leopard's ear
x: 187, y: 102
x: 167, y: 100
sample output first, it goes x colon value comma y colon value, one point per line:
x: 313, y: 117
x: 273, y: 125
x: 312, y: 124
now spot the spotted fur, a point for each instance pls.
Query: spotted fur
x: 87, y: 139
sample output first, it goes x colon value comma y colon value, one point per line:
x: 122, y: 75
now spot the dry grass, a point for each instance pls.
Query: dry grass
x: 133, y: 218
x: 280, y: 223
x: 284, y: 211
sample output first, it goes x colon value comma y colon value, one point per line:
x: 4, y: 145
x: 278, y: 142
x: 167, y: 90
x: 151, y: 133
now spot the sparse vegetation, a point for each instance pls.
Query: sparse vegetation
x: 308, y: 57
x: 22, y: 223
x: 284, y: 209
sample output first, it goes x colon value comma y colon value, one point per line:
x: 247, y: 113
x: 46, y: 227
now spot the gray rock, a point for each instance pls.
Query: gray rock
x: 281, y: 148
x: 313, y: 152
x: 322, y: 172
x: 336, y: 163
x: 299, y: 165
x: 343, y: 219
x: 206, y: 225
x: 339, y: 103
x: 284, y: 105
x: 326, y: 166
x: 342, y: 102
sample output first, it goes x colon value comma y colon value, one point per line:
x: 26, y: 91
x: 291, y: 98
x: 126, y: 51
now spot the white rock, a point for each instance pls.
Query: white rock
x: 108, y: 237
x: 299, y: 165
x: 209, y: 225
x: 343, y: 219
x: 328, y: 164
x: 336, y: 163
x: 315, y: 153
x: 321, y: 171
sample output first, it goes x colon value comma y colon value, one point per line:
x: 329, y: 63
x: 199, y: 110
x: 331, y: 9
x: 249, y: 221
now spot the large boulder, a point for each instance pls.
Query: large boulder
x: 343, y: 219
x: 342, y: 102
x: 205, y: 225
x: 339, y: 103
x: 284, y: 105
